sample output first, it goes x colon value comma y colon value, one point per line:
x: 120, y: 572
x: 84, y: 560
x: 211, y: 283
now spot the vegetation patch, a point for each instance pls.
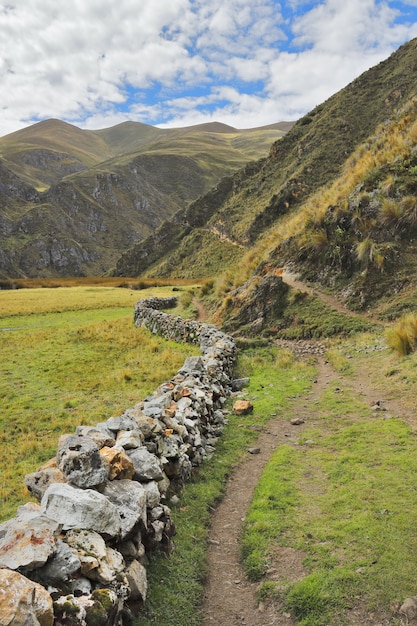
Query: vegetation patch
x: 345, y: 500
x: 403, y: 336
x: 200, y: 255
x: 271, y: 513
x: 308, y: 317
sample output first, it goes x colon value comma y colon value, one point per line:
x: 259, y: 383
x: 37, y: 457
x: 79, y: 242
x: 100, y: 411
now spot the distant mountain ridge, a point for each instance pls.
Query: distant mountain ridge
x: 73, y: 200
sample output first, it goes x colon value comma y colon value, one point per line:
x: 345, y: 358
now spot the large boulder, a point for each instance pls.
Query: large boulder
x: 119, y: 466
x: 130, y: 499
x: 102, y: 608
x: 60, y: 568
x: 28, y: 544
x: 137, y: 580
x: 39, y: 481
x: 147, y: 465
x: 98, y: 561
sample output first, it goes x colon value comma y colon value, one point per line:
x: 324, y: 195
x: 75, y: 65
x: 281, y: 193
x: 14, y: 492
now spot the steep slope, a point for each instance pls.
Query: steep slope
x: 310, y: 156
x: 73, y: 200
x: 358, y: 237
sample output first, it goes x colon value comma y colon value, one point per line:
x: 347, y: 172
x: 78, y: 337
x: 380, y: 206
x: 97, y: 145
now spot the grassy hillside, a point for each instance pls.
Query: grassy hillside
x: 260, y: 207
x: 358, y: 237
x: 72, y: 201
x: 44, y: 153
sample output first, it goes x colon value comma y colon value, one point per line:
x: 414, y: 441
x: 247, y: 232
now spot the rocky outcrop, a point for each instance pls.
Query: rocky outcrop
x: 78, y: 556
x: 258, y: 302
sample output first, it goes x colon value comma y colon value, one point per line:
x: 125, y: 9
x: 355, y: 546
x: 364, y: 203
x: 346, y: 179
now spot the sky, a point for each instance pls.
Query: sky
x: 175, y: 63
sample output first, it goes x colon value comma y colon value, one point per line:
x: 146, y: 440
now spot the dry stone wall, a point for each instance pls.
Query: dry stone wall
x: 78, y: 555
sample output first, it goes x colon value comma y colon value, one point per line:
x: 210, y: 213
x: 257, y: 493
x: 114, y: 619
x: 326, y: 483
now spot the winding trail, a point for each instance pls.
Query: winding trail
x: 230, y: 598
x: 295, y: 283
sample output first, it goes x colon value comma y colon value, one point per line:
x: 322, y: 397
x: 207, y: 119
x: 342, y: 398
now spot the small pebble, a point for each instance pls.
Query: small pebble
x: 297, y: 421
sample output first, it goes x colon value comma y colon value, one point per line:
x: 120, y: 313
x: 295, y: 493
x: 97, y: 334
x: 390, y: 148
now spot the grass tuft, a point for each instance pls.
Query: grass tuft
x: 315, y: 599
x: 402, y: 337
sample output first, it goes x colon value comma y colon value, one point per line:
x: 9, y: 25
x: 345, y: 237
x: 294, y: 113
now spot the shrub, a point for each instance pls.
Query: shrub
x: 9, y: 284
x: 365, y: 251
x: 397, y: 340
x: 403, y: 337
x: 391, y: 213
x: 409, y: 206
x: 388, y: 185
x: 207, y: 287
x: 186, y: 299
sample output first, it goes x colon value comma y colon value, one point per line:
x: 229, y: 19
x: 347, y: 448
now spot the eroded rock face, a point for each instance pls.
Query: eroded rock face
x: 258, y: 302
x: 23, y: 602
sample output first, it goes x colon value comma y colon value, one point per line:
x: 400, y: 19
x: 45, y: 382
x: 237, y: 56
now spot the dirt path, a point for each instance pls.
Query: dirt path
x: 230, y: 598
x: 293, y: 281
x: 201, y: 310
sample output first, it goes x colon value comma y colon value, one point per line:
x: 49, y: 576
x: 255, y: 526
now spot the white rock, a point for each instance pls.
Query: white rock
x: 81, y: 508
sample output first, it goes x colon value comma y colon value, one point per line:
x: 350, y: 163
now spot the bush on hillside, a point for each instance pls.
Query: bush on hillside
x: 403, y: 336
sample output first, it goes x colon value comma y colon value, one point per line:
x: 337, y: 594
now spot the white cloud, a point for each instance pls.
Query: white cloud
x: 357, y: 25
x: 171, y: 62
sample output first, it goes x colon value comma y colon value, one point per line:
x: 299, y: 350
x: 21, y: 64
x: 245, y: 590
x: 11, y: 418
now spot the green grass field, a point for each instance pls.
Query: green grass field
x: 344, y: 498
x: 69, y: 356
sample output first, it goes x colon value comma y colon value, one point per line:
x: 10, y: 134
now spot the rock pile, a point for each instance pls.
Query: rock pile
x: 79, y: 555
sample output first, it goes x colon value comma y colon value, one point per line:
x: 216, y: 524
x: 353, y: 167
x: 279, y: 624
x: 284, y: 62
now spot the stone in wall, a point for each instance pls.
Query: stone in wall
x: 23, y: 601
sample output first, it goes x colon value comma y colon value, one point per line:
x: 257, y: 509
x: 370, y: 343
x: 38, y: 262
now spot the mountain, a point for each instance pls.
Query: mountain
x: 335, y: 198
x: 73, y: 200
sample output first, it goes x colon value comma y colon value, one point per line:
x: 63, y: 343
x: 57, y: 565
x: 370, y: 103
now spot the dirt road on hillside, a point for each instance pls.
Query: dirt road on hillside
x: 295, y: 283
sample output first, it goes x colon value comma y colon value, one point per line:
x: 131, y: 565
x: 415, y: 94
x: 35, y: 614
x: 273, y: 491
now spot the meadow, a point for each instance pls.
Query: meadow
x: 70, y: 356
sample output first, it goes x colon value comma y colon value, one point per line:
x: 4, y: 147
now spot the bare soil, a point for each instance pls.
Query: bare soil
x: 230, y: 598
